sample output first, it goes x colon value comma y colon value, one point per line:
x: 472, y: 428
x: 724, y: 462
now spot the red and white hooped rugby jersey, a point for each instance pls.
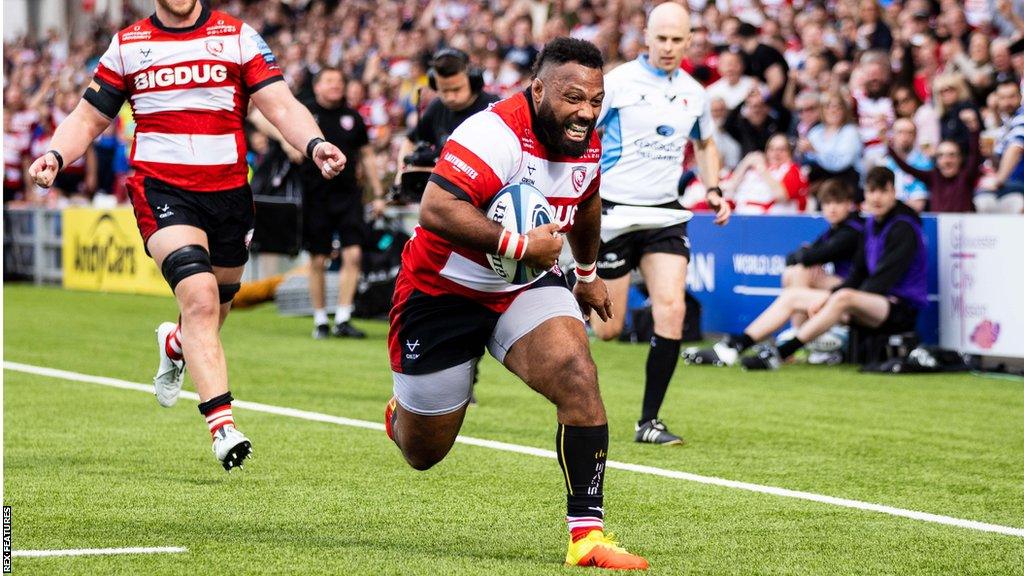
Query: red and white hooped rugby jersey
x: 488, y: 151
x: 189, y: 91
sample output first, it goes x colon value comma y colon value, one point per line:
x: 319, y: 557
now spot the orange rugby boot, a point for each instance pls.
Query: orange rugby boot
x: 600, y: 551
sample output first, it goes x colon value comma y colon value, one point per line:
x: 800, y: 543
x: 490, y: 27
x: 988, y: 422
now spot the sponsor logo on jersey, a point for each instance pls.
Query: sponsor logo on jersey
x: 221, y: 28
x: 665, y: 130
x: 565, y: 215
x: 136, y: 33
x: 347, y: 122
x: 265, y: 51
x: 181, y: 76
x: 579, y: 175
x: 461, y: 165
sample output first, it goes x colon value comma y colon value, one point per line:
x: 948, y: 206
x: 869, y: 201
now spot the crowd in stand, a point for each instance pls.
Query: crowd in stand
x: 802, y: 91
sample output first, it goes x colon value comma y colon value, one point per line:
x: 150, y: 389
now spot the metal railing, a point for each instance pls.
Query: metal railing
x: 32, y: 245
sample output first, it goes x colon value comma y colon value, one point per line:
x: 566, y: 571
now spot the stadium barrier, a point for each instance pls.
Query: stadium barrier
x: 32, y: 245
x: 736, y: 270
x: 103, y: 252
x: 981, y: 282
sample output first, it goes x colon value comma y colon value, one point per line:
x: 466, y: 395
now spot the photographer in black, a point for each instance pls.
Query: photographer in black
x: 459, y: 87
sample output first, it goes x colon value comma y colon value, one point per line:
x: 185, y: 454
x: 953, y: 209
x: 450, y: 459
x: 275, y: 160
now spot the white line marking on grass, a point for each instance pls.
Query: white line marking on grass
x: 531, y: 451
x: 96, y: 552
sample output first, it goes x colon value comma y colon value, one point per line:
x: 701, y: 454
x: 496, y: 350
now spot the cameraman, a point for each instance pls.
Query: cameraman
x: 459, y: 87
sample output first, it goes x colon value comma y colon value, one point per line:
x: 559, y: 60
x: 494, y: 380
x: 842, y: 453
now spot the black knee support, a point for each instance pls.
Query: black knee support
x: 206, y: 407
x: 228, y: 291
x: 184, y: 262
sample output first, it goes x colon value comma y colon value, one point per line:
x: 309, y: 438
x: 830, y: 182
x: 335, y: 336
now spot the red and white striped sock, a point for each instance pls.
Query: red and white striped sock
x: 219, y: 417
x: 580, y: 526
x: 172, y: 345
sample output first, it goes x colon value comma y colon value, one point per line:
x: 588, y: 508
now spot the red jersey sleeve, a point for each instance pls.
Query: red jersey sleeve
x: 259, y: 66
x: 110, y: 70
x: 479, y: 158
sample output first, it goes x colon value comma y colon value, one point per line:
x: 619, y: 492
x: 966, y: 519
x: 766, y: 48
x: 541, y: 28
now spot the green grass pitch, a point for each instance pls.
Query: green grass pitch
x: 88, y: 466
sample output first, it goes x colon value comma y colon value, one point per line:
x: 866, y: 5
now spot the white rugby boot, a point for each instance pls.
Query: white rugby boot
x: 231, y: 447
x: 171, y: 373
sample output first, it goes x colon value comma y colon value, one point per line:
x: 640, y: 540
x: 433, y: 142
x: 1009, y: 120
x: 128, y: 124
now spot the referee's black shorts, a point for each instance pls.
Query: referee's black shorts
x: 622, y: 254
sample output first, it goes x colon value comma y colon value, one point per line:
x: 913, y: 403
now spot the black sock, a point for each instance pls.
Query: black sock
x: 582, y: 451
x: 661, y: 364
x: 789, y: 347
x: 740, y: 341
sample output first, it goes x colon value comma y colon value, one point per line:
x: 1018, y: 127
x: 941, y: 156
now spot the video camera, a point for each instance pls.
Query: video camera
x: 418, y: 166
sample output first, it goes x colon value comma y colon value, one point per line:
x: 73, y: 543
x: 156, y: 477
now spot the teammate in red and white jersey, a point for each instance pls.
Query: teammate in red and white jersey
x: 449, y: 303
x: 189, y: 74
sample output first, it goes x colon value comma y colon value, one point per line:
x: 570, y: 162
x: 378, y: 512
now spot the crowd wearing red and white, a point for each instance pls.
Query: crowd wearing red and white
x: 831, y: 77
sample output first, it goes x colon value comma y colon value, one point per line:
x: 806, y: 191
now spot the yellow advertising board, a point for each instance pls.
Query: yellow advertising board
x: 103, y: 252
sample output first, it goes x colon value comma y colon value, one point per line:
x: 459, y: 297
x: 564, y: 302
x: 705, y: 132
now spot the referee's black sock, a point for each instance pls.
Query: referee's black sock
x: 740, y: 341
x: 789, y: 347
x: 661, y: 364
x: 582, y: 452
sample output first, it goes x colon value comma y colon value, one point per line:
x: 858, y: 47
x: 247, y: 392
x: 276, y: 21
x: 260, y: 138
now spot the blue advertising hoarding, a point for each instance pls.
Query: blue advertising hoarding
x: 736, y: 270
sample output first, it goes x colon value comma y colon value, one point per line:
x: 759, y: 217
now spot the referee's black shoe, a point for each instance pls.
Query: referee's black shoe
x: 655, y: 432
x: 347, y: 330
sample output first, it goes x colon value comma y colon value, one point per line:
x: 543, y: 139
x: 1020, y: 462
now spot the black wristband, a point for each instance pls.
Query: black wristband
x: 60, y: 159
x: 312, y: 144
x: 714, y: 189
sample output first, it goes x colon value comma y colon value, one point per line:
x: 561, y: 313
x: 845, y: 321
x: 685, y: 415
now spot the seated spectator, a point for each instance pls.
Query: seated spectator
x: 909, y: 190
x: 833, y: 148
x: 733, y: 87
x: 951, y: 183
x: 1008, y: 183
x: 768, y: 182
x: 753, y: 123
x: 884, y: 291
x: 805, y: 266
x: 909, y: 105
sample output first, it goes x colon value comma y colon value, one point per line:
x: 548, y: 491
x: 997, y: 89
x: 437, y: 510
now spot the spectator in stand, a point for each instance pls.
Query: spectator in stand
x: 873, y: 107
x: 1002, y: 61
x: 833, y: 148
x: 974, y: 64
x: 909, y: 106
x: 951, y: 183
x: 953, y: 103
x: 808, y: 110
x: 909, y: 190
x: 753, y: 123
x: 733, y: 87
x: 762, y: 61
x: 1008, y: 184
x: 1007, y: 16
x: 873, y: 33
x: 768, y: 182
x: 701, y: 60
x: 728, y: 147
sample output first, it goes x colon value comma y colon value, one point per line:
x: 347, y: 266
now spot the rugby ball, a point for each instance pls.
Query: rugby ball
x: 519, y: 208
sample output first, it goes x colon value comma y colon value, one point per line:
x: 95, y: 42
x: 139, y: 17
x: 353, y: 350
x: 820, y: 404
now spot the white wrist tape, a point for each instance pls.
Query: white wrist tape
x: 512, y: 245
x: 586, y: 273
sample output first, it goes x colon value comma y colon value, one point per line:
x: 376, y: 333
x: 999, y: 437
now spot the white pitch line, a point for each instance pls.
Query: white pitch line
x: 96, y: 552
x: 531, y: 451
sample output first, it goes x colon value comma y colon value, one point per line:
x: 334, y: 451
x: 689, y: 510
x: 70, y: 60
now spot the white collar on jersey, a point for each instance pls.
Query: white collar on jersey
x: 646, y: 63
